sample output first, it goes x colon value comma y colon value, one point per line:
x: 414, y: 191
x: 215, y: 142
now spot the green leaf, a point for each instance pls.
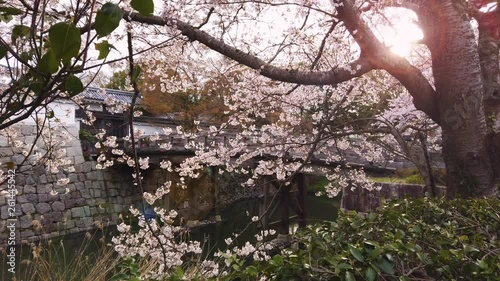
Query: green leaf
x: 5, y: 18
x: 19, y: 31
x: 36, y: 87
x: 469, y: 248
x: 48, y: 63
x: 144, y: 7
x: 423, y: 257
x: 134, y: 267
x: 371, y: 243
x: 386, y: 266
x: 252, y: 270
x: 278, y: 259
x: 3, y: 52
x: 482, y: 264
x: 400, y: 234
x: 136, y: 73
x: 370, y: 274
x: 375, y: 252
x: 344, y: 266
x: 349, y: 276
x: 10, y: 11
x: 357, y: 254
x: 404, y: 278
x: 73, y: 85
x: 28, y: 55
x: 104, y: 47
x: 179, y: 272
x: 107, y: 19
x: 6, y: 13
x: 372, y: 216
x: 65, y: 41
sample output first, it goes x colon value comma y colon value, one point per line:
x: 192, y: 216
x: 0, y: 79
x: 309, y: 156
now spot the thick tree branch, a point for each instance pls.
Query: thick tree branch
x: 424, y: 95
x: 334, y: 76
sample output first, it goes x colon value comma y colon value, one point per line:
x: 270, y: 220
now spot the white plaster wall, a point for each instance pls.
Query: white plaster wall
x: 149, y: 129
x: 94, y: 107
x: 64, y: 114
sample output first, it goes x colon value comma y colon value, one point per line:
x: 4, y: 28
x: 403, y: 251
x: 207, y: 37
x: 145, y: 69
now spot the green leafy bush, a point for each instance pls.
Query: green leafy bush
x: 425, y: 239
x: 86, y: 135
x: 403, y: 173
x: 414, y: 179
x: 318, y: 185
x: 412, y: 176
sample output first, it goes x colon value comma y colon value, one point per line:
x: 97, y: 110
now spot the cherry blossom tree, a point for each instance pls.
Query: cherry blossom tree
x: 300, y: 64
x: 452, y: 97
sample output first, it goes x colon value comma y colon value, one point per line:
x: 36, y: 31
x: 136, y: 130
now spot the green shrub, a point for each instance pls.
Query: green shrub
x: 318, y: 185
x: 403, y: 173
x: 412, y: 176
x: 425, y: 239
x: 86, y: 135
x: 414, y: 179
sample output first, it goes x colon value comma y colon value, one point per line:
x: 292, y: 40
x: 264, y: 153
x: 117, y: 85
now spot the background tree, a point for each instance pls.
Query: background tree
x: 119, y: 81
x: 203, y: 103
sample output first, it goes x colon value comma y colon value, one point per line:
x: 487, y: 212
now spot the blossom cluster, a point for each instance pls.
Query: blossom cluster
x: 157, y: 241
x: 46, y: 147
x: 258, y: 252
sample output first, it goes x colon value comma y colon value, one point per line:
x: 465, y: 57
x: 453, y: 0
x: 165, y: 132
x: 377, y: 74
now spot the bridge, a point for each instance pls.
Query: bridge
x: 275, y: 197
x: 176, y: 148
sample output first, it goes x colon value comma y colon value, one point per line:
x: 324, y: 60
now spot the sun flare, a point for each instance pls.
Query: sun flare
x: 402, y: 35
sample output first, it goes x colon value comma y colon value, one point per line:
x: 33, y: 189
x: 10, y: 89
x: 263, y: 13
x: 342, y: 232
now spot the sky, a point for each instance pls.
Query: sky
x: 398, y: 37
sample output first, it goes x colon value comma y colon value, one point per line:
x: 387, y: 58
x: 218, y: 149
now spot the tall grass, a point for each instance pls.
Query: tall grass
x: 92, y: 260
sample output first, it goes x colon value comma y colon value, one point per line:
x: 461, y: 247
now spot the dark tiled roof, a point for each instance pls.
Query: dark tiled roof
x: 95, y: 94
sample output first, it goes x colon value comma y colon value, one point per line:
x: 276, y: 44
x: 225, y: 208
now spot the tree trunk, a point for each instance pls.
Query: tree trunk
x: 458, y: 82
x: 489, y: 47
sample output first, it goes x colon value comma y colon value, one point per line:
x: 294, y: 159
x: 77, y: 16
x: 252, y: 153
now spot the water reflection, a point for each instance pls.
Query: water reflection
x: 235, y: 218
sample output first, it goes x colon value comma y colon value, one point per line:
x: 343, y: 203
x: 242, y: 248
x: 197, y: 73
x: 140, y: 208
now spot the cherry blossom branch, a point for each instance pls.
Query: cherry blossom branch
x: 323, y: 43
x: 26, y: 5
x: 134, y: 54
x: 207, y: 18
x: 277, y: 4
x: 424, y: 95
x: 133, y: 79
x: 334, y: 76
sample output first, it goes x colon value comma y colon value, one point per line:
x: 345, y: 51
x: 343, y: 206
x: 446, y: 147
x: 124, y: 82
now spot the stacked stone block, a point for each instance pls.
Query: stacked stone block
x: 91, y: 195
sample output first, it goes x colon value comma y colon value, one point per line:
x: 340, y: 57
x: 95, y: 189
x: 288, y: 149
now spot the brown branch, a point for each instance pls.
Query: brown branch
x: 333, y: 76
x: 26, y: 5
x: 207, y: 18
x: 323, y: 43
x: 424, y: 95
x: 277, y: 4
x: 137, y: 169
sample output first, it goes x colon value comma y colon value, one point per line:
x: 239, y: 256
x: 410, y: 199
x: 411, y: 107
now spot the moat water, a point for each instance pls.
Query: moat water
x: 235, y: 218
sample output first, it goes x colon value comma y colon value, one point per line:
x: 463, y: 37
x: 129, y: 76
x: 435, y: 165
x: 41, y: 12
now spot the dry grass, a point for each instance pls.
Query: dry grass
x: 91, y: 260
x: 94, y: 260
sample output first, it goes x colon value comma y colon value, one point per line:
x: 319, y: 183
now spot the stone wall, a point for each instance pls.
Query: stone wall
x: 201, y: 195
x: 362, y: 200
x: 46, y: 210
x: 230, y: 189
